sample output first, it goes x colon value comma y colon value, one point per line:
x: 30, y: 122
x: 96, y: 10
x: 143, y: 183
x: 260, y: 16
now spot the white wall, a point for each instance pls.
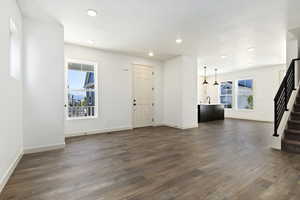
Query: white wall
x: 115, y: 90
x: 43, y: 108
x: 266, y: 83
x: 292, y: 51
x: 180, y: 92
x: 11, y: 100
x: 172, y: 92
x: 189, y: 92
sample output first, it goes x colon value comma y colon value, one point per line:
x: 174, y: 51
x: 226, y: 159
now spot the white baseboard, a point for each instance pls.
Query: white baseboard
x: 171, y: 125
x: 248, y: 119
x: 190, y: 127
x: 93, y: 132
x: 44, y: 148
x: 180, y: 127
x: 10, y: 171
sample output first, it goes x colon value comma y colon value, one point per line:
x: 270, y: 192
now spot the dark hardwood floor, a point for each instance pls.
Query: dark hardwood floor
x: 222, y: 160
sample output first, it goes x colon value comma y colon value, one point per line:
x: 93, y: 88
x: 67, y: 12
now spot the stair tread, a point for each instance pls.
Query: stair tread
x: 295, y: 113
x: 294, y: 121
x: 295, y: 131
x: 292, y: 142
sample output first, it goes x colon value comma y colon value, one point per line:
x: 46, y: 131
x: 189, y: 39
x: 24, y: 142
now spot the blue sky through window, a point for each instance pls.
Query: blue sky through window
x: 76, y: 79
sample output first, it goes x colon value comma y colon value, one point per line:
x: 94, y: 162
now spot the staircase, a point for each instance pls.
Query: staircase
x: 291, y: 136
x: 291, y: 139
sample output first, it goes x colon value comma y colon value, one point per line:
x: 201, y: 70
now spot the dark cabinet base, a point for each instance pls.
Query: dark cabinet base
x: 210, y: 112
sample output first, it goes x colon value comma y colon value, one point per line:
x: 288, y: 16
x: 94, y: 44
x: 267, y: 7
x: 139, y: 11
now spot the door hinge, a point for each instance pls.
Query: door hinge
x: 152, y: 119
x: 152, y: 73
x: 153, y: 88
x: 152, y: 104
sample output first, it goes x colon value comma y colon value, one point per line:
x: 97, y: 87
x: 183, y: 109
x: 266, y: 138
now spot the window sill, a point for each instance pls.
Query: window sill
x: 81, y: 118
x: 245, y: 110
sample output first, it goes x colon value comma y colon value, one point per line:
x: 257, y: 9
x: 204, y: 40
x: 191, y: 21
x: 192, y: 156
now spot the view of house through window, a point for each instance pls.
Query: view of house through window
x: 226, y: 94
x: 245, y: 94
x: 81, y: 86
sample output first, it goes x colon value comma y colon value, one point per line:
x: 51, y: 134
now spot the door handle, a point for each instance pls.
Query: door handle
x: 134, y: 104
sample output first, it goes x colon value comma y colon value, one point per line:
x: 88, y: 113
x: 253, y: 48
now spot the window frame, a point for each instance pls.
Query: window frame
x: 237, y: 94
x: 232, y: 94
x: 79, y: 61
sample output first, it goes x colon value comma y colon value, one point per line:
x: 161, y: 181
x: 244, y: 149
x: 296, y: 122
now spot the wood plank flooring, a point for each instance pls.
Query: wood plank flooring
x: 222, y: 160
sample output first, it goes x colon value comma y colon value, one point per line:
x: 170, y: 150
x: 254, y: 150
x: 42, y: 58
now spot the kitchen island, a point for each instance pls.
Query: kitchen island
x: 210, y: 112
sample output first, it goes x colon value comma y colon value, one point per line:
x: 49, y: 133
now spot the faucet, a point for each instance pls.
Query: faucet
x: 208, y: 97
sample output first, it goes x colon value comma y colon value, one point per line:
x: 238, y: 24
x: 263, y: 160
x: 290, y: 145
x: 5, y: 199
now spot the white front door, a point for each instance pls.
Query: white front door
x: 142, y: 96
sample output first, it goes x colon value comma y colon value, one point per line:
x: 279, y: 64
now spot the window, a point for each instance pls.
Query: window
x: 226, y: 94
x: 81, y: 90
x: 245, y: 94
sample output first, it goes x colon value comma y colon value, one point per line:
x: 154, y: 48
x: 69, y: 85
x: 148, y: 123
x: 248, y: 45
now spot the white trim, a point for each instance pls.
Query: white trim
x: 158, y: 124
x: 250, y: 119
x: 10, y: 171
x: 95, y: 64
x: 94, y: 132
x: 81, y: 118
x: 179, y: 127
x: 237, y: 94
x: 171, y: 125
x: 232, y: 94
x: 190, y: 127
x: 44, y: 148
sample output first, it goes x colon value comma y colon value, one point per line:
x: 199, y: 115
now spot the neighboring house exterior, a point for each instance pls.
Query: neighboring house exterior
x: 89, y: 85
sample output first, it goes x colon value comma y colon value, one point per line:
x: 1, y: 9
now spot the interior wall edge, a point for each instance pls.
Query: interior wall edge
x: 10, y: 170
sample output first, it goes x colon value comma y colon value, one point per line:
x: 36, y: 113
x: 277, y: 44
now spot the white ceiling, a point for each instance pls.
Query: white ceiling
x: 209, y: 28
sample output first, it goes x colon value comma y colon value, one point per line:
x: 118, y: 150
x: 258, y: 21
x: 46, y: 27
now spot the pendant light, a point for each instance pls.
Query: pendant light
x: 216, y: 82
x: 205, y: 81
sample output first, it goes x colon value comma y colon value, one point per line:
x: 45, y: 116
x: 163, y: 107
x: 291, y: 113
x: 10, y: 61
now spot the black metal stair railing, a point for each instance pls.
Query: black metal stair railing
x: 283, y: 95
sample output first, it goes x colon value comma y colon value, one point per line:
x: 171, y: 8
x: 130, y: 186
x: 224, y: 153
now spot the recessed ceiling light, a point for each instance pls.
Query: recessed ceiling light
x: 223, y: 56
x: 251, y: 49
x: 90, y: 42
x: 92, y: 13
x: 151, y: 54
x: 178, y: 40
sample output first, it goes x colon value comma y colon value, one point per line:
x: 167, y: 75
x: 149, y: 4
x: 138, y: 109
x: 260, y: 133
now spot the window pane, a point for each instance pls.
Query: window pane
x: 75, y: 76
x: 226, y: 88
x: 226, y: 101
x: 245, y: 94
x: 226, y: 94
x: 81, y: 103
